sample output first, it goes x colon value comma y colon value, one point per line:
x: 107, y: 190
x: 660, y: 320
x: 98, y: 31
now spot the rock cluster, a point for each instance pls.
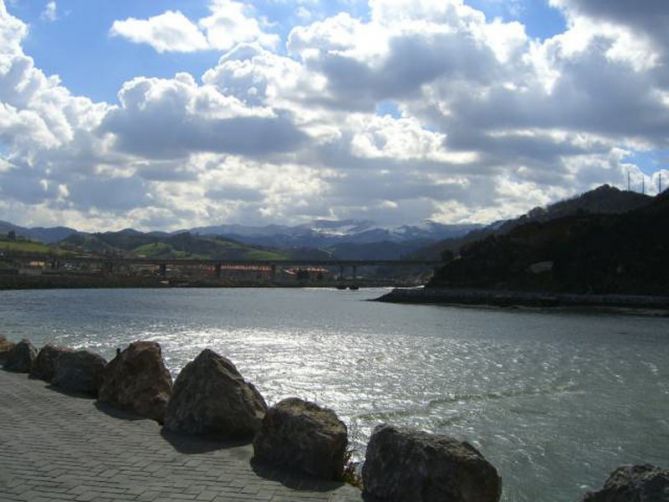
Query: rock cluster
x: 44, y: 365
x: 79, y: 371
x: 210, y: 397
x: 5, y: 347
x: 302, y: 436
x: 20, y: 358
x: 408, y: 465
x: 633, y: 483
x: 137, y: 380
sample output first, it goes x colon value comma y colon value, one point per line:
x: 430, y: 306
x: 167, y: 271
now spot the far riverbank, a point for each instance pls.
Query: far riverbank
x: 91, y: 281
x: 638, y: 304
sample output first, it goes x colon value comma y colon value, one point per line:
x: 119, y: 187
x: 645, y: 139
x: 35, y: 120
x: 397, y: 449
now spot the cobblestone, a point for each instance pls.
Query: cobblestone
x: 55, y: 447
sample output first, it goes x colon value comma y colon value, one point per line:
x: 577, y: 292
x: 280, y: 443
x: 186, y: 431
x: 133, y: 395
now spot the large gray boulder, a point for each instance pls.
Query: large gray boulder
x: 302, y: 436
x: 633, y: 483
x: 5, y: 347
x: 210, y: 397
x: 79, y: 372
x: 137, y: 380
x: 44, y: 364
x: 20, y: 358
x: 408, y: 465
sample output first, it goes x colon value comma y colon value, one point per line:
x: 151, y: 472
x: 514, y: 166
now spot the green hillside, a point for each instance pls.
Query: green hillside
x: 27, y: 246
x: 184, y: 245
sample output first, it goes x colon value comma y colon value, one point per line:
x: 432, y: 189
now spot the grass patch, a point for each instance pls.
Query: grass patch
x: 264, y: 255
x: 28, y: 247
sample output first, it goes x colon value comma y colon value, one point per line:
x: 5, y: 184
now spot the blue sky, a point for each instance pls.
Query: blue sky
x: 102, y: 63
x: 170, y: 114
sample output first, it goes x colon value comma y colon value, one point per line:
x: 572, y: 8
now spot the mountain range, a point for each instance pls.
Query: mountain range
x: 346, y: 239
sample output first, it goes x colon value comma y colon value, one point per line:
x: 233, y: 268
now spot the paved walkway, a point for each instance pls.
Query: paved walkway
x: 55, y: 447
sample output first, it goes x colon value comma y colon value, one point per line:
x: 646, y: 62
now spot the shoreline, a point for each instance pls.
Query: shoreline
x: 39, y: 282
x: 622, y: 304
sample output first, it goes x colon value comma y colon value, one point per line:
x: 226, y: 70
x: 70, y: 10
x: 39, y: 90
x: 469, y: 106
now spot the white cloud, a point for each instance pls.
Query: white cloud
x: 228, y: 25
x: 167, y: 32
x: 486, y: 122
x: 162, y: 118
x: 231, y: 23
x: 50, y: 12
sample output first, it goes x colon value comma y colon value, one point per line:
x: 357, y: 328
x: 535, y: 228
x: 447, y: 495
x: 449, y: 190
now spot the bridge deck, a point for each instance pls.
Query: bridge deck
x: 55, y: 447
x: 119, y: 260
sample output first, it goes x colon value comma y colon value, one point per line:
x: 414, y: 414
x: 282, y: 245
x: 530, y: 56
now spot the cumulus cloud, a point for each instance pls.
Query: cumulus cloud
x: 231, y: 23
x: 176, y: 117
x: 228, y: 24
x: 485, y: 122
x: 167, y: 32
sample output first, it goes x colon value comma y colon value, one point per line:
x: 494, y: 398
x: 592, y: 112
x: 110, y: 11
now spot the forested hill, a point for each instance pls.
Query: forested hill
x: 579, y: 253
x: 157, y: 245
x: 602, y: 200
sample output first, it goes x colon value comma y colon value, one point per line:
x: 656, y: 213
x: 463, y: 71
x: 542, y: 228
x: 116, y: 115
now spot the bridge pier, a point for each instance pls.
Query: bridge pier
x: 55, y: 264
x: 108, y: 267
x: 162, y: 270
x: 355, y: 272
x: 341, y: 272
x: 217, y: 270
x: 273, y: 272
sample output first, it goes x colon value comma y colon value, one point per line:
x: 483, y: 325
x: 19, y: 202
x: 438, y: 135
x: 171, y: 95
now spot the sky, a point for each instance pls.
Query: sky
x: 170, y: 114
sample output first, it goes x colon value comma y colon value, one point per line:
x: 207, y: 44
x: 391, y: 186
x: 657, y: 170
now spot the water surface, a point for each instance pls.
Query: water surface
x: 554, y: 400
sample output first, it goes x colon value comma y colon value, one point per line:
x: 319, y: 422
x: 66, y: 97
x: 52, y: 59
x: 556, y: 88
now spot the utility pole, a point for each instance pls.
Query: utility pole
x: 659, y: 183
x: 643, y: 184
x: 628, y: 180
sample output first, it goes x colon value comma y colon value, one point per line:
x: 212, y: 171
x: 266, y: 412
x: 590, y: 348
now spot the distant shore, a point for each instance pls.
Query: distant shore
x: 637, y: 304
x: 71, y: 281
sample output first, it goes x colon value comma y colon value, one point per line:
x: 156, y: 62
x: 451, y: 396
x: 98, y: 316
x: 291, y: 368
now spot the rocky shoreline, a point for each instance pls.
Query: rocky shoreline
x: 210, y: 398
x: 656, y: 305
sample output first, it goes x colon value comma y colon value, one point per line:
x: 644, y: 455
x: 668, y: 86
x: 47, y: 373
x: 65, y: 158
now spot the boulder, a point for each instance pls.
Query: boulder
x: 44, y: 364
x: 137, y: 380
x: 408, y: 465
x: 20, y: 358
x: 302, y: 436
x: 5, y: 347
x: 79, y: 372
x: 633, y: 483
x: 210, y: 397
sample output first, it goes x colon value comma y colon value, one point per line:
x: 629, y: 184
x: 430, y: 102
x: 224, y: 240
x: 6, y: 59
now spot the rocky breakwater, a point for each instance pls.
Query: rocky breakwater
x: 508, y: 298
x: 302, y: 436
x: 79, y: 372
x: 136, y: 380
x: 20, y: 357
x: 633, y: 483
x: 405, y: 465
x: 5, y: 347
x: 44, y: 365
x: 211, y: 397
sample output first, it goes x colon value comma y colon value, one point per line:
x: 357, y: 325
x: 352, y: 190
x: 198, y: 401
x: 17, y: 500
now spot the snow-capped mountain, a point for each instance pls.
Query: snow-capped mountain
x: 355, y: 238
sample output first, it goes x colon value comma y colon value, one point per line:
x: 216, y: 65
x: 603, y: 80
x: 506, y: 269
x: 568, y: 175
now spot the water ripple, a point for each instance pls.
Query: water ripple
x: 555, y: 401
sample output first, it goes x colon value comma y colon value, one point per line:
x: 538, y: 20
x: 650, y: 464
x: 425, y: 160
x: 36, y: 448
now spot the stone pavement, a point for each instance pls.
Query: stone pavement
x: 55, y: 447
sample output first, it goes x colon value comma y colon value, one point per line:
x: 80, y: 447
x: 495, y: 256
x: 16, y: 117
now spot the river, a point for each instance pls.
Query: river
x: 555, y: 400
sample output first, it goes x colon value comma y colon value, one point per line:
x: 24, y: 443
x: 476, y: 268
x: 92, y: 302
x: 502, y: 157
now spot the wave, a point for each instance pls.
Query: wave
x: 426, y: 408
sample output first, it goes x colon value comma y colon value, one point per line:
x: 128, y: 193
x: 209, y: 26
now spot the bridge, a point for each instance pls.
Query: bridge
x: 111, y: 263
